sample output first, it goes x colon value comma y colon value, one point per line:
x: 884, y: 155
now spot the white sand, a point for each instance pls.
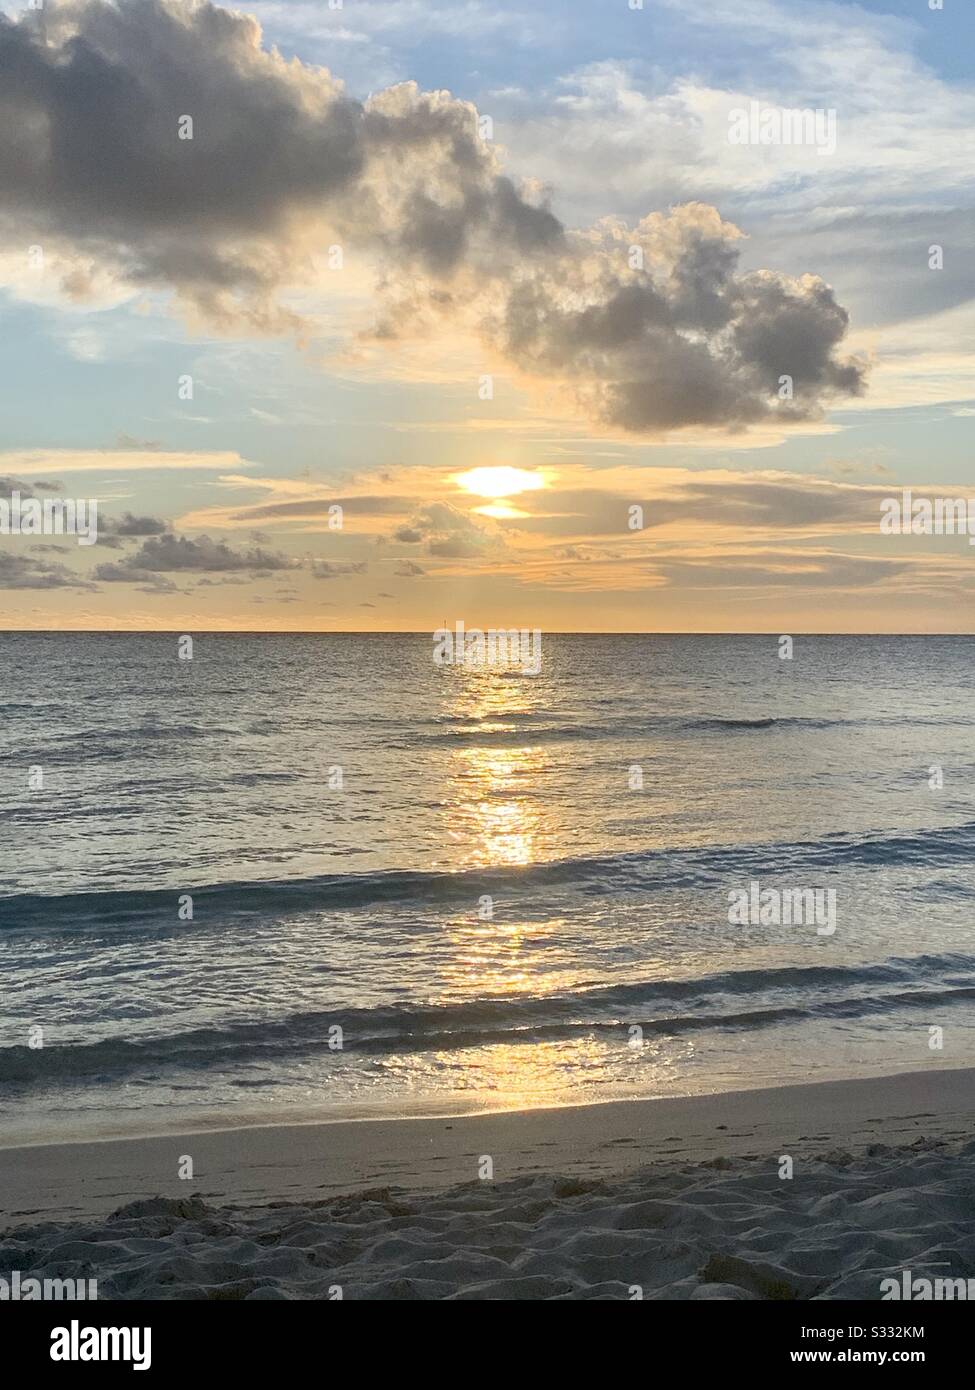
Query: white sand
x: 682, y: 1198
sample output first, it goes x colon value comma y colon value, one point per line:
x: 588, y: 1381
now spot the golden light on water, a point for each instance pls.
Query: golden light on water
x: 500, y: 820
x: 498, y: 814
x: 495, y: 815
x: 493, y: 958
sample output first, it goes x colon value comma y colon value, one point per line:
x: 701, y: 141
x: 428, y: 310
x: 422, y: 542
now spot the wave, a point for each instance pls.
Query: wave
x: 763, y: 723
x: 730, y: 1000
x: 471, y: 731
x: 474, y: 732
x: 606, y: 875
x: 518, y: 728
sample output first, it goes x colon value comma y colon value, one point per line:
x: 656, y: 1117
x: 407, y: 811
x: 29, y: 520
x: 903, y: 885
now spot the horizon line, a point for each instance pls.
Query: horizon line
x: 425, y: 632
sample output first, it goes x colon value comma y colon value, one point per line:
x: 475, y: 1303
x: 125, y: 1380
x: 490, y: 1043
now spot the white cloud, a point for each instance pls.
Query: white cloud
x: 30, y: 462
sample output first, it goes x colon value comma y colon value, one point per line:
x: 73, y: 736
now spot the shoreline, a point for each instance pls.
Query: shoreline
x: 449, y: 1107
x: 831, y: 1190
x: 261, y: 1164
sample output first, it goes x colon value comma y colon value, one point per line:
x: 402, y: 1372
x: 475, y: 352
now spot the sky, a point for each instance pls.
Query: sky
x: 372, y: 315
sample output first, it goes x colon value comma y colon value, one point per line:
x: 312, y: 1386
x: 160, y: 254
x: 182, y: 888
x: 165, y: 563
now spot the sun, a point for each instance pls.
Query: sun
x: 499, y: 482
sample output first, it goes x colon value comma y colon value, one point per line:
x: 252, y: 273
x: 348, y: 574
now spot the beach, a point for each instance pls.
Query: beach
x: 487, y: 774
x: 497, y: 1017
x: 674, y: 1198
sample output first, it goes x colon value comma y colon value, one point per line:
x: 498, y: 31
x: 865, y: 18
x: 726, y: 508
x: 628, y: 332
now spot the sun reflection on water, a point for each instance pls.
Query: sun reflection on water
x: 495, y: 957
x: 495, y: 810
x: 499, y: 814
x: 499, y: 817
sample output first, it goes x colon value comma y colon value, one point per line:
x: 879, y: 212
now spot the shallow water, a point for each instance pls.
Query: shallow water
x: 339, y: 809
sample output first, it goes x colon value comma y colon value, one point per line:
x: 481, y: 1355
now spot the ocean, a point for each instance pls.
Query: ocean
x: 305, y: 876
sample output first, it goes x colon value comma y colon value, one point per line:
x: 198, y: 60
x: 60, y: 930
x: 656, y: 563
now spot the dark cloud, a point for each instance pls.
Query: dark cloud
x: 683, y: 340
x: 9, y: 485
x: 448, y: 532
x: 24, y: 572
x: 281, y: 158
x: 168, y: 554
x: 328, y: 569
x: 91, y: 104
x: 114, y: 531
x: 130, y: 525
x: 112, y: 572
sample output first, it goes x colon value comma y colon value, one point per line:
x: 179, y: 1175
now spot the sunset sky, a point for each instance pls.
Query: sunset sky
x: 373, y: 293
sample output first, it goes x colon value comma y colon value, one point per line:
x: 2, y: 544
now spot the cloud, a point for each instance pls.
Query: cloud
x: 172, y: 554
x: 108, y: 86
x: 763, y: 502
x: 581, y: 501
x: 128, y: 441
x: 129, y: 525
x: 782, y: 569
x: 30, y: 461
x: 24, y: 572
x: 456, y: 547
x: 280, y: 156
x: 327, y: 569
x: 218, y: 583
x: 449, y: 533
x: 10, y: 485
x: 307, y: 503
x: 316, y: 508
x: 684, y: 341
x: 114, y: 531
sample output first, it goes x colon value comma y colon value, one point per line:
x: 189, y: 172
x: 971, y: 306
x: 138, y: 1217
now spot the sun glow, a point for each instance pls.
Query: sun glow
x: 500, y: 511
x: 499, y: 482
